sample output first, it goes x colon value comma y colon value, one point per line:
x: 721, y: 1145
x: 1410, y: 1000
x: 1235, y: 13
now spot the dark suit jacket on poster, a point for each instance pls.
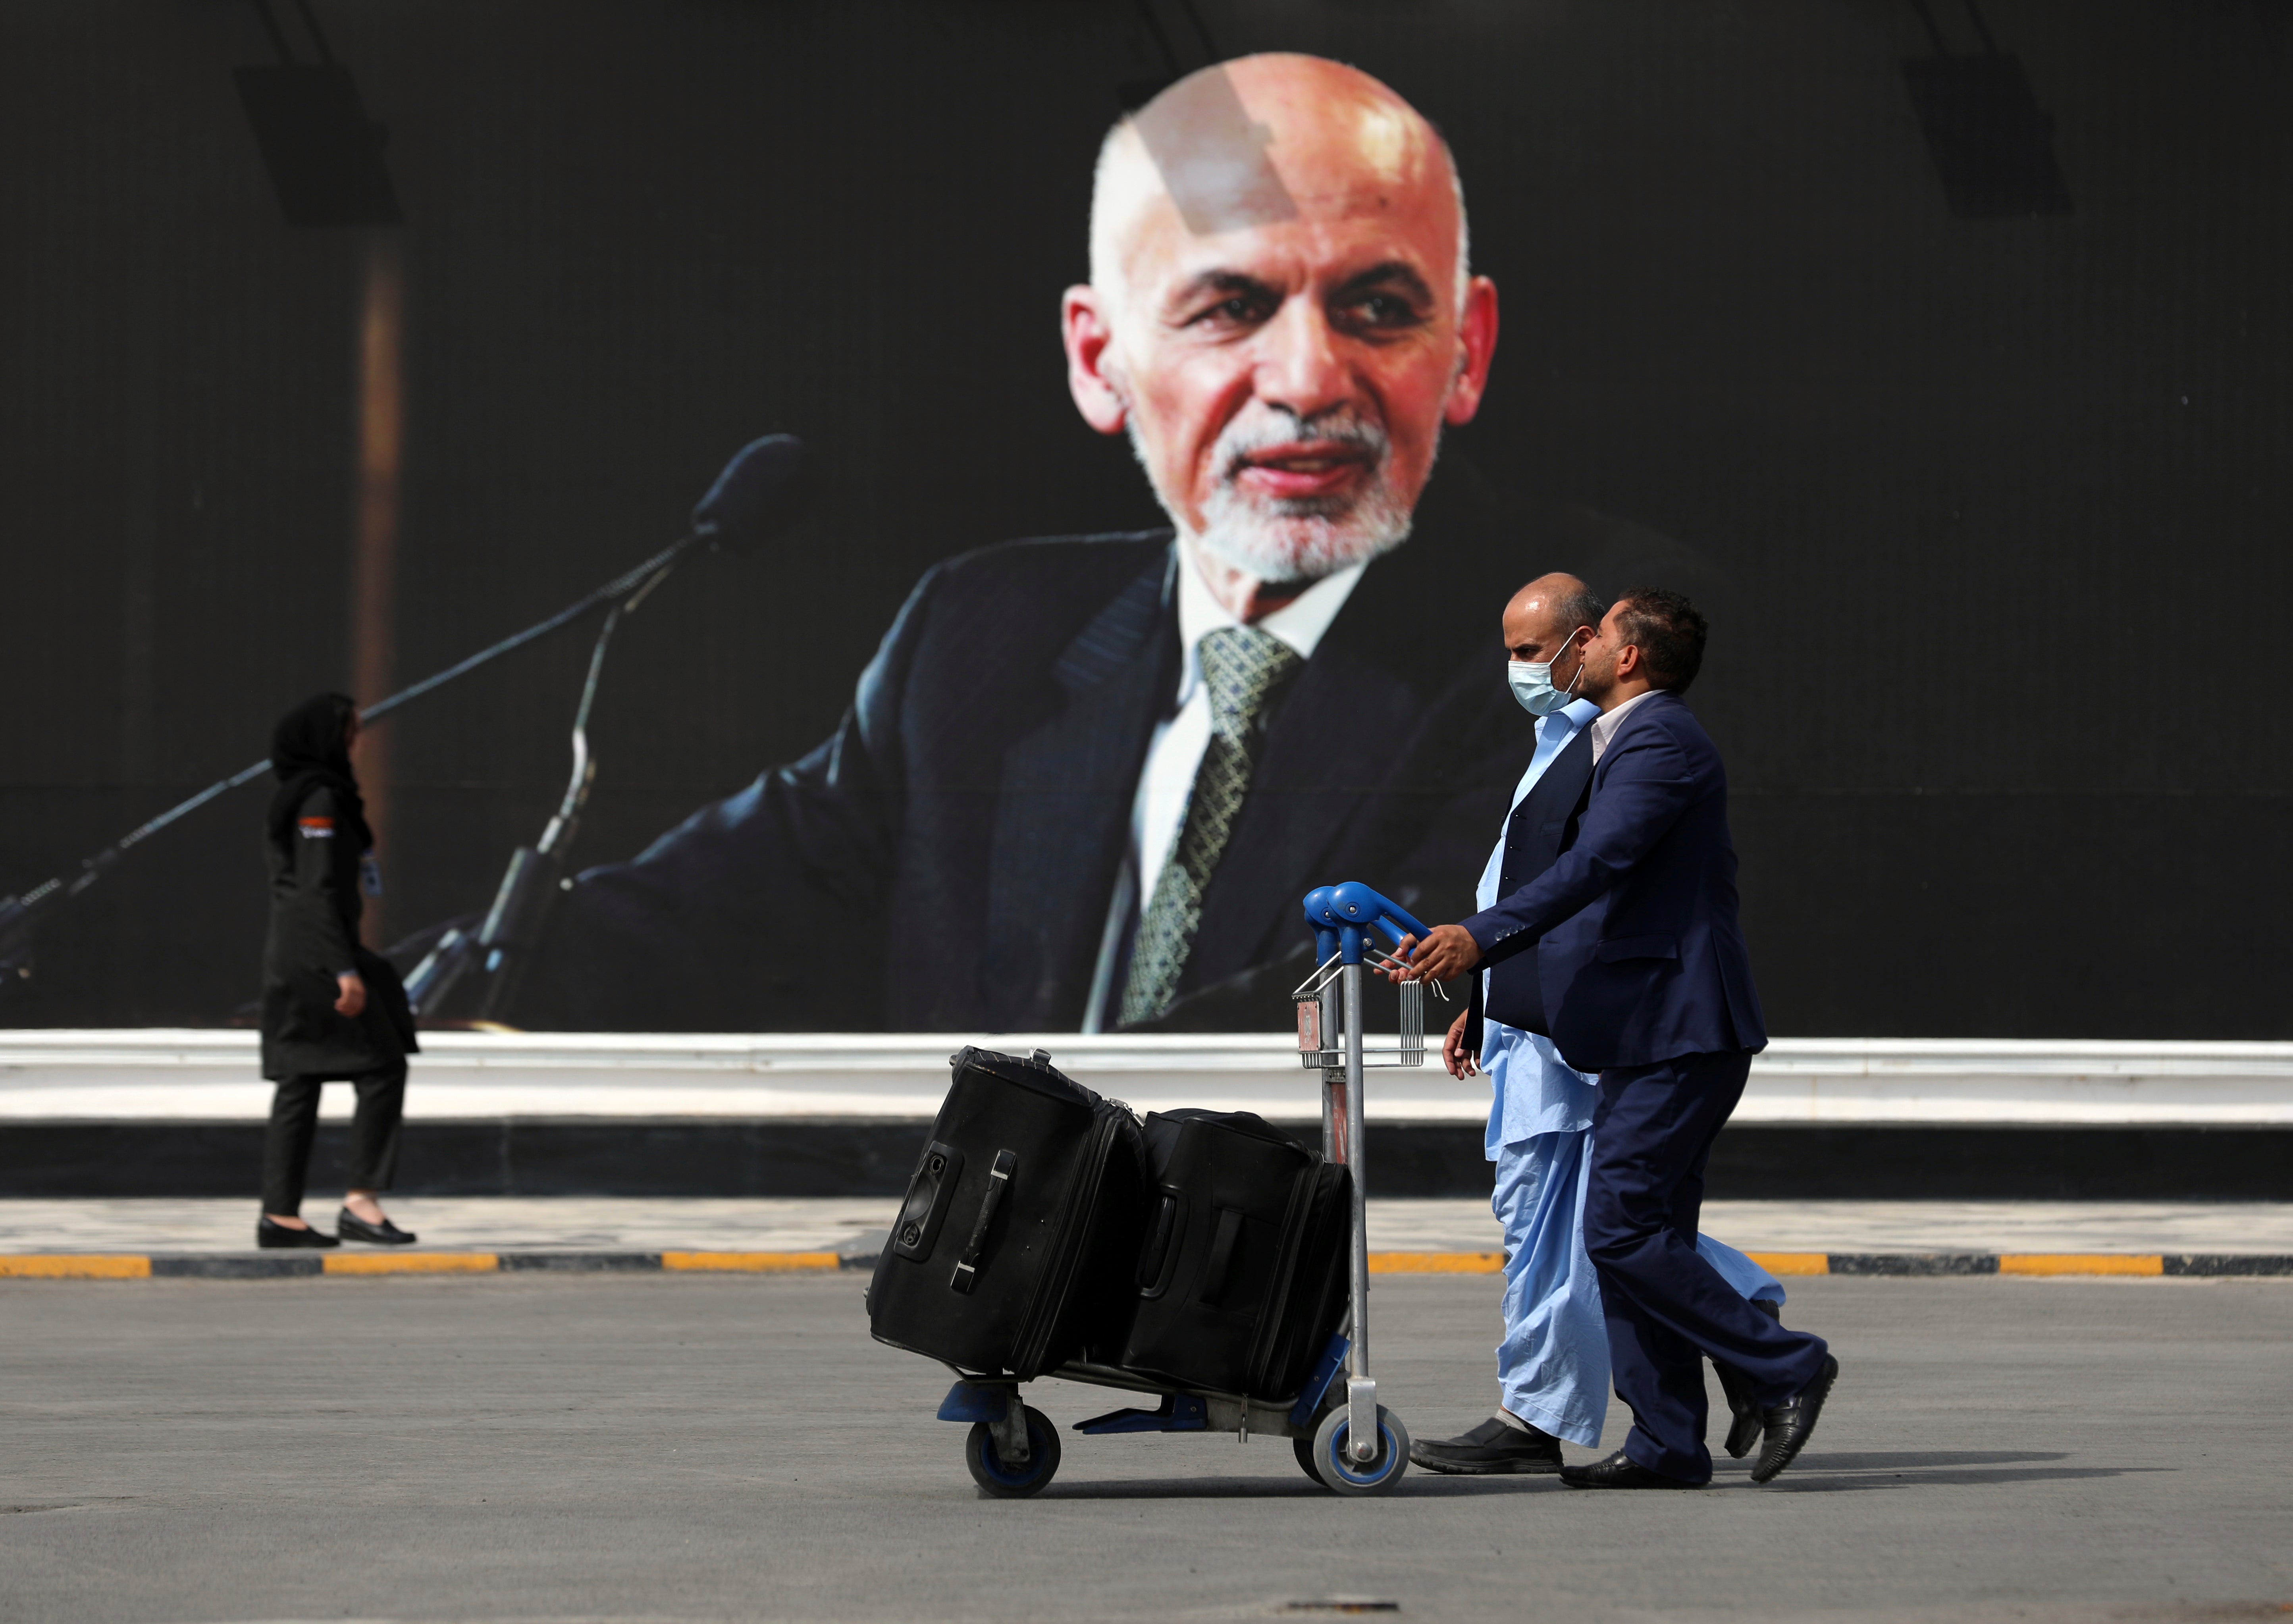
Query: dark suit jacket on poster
x: 956, y: 842
x: 1639, y: 954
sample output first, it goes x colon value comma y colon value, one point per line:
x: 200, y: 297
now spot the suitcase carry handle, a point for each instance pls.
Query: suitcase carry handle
x: 999, y: 1179
x: 930, y: 1193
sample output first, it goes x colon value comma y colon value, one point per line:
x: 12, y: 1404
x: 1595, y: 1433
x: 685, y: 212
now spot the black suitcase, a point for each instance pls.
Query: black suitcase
x: 1019, y: 1234
x: 1242, y: 1270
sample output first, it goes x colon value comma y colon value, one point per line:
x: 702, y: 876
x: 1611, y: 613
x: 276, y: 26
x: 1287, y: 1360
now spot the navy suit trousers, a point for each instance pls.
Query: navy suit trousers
x: 1652, y: 1134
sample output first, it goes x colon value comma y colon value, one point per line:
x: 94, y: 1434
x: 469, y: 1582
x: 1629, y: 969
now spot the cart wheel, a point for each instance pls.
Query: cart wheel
x: 1016, y: 1483
x: 1304, y: 1450
x: 1380, y: 1475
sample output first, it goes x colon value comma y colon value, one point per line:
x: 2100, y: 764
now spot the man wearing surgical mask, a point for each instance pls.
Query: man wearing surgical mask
x: 1552, y: 1366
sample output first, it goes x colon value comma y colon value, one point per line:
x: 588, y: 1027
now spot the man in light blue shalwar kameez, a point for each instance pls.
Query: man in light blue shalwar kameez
x: 1552, y: 1366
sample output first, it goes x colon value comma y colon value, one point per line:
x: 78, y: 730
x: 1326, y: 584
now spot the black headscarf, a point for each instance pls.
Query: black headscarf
x: 308, y: 751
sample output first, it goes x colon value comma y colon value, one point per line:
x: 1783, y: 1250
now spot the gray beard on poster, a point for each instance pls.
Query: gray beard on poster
x: 1288, y: 542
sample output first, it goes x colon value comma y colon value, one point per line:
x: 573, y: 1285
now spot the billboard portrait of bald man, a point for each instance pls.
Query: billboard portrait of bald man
x: 1085, y: 780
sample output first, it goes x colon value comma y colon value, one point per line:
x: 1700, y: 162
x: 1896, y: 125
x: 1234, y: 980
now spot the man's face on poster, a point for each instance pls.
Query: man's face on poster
x: 1281, y: 327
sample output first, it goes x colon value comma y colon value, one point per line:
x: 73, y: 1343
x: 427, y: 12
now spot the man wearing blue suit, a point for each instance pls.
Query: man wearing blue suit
x: 1644, y: 978
x: 1553, y: 1365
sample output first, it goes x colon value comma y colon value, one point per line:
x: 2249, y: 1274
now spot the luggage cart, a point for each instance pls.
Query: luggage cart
x: 1343, y: 1438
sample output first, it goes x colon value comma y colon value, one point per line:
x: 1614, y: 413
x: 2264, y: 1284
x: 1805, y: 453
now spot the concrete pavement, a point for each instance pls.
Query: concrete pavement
x: 530, y: 1447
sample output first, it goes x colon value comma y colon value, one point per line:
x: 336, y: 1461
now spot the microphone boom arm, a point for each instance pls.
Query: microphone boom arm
x: 19, y: 914
x: 760, y: 491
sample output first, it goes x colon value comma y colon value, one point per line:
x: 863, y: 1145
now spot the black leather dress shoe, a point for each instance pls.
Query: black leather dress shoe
x: 1749, y: 1421
x: 270, y: 1236
x: 1493, y: 1446
x: 1789, y: 1422
x: 1620, y: 1471
x: 1746, y: 1423
x: 350, y: 1226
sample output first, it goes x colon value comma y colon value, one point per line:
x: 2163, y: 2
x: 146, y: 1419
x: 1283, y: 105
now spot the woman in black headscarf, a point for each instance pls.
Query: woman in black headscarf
x: 332, y: 1010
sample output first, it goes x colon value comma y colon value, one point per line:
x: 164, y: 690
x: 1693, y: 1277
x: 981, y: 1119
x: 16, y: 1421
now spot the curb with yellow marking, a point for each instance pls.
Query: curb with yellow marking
x: 409, y: 1263
x: 756, y: 1263
x: 1792, y: 1263
x: 305, y: 1265
x: 1437, y: 1262
x: 2077, y: 1263
x: 301, y: 1264
x: 66, y: 1266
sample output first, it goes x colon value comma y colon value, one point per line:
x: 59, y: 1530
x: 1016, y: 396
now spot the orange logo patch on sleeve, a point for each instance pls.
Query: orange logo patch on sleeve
x: 316, y: 829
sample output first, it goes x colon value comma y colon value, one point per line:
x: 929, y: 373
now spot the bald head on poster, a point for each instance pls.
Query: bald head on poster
x: 1281, y: 315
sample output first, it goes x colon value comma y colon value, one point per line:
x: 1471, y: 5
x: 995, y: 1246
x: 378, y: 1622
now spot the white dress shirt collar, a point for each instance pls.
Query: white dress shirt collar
x: 1605, y: 729
x: 1301, y: 622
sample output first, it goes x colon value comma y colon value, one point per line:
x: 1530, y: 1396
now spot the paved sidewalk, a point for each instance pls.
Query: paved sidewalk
x: 855, y: 1226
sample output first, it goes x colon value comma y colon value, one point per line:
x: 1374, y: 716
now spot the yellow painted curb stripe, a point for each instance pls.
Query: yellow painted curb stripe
x: 753, y: 1262
x: 115, y: 1267
x: 409, y: 1263
x: 1437, y: 1262
x: 1792, y: 1263
x: 2078, y: 1262
x: 91, y: 1267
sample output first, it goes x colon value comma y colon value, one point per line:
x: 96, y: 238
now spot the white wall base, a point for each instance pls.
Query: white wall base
x: 202, y: 1075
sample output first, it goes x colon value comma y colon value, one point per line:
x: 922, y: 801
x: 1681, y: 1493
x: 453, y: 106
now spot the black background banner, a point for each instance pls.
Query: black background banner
x: 2002, y: 504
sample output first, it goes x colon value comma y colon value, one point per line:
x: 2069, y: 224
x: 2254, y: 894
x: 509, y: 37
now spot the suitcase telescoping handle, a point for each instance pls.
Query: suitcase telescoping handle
x: 999, y: 1180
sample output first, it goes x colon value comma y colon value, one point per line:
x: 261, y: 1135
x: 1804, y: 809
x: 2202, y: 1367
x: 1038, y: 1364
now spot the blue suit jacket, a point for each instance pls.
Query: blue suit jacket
x: 1639, y: 952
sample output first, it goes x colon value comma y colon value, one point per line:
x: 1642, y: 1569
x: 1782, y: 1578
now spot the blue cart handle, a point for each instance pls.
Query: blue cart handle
x: 1341, y: 916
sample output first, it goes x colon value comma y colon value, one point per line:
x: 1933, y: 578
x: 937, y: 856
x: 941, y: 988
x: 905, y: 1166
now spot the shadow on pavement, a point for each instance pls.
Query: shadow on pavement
x: 1270, y: 1487
x: 1819, y: 1475
x: 1894, y: 1460
x: 1869, y: 1470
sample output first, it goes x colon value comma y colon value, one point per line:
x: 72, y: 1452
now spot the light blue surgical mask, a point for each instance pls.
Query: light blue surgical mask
x: 1531, y: 682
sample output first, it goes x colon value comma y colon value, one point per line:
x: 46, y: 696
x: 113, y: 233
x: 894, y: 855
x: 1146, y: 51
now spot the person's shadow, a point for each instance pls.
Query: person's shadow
x: 1814, y: 1473
x: 1869, y: 1469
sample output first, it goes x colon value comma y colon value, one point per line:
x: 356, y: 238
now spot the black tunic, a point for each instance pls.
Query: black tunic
x: 315, y: 904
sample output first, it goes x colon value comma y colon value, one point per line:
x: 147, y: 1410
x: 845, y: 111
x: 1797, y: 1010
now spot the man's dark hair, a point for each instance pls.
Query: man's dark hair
x: 1582, y: 607
x: 1668, y: 632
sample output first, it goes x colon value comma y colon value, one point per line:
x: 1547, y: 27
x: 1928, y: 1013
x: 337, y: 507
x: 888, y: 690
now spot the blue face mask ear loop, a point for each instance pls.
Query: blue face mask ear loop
x: 1569, y: 692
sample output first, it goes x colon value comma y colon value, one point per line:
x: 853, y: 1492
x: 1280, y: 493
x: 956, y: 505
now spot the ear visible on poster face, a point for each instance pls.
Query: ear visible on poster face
x: 1087, y: 329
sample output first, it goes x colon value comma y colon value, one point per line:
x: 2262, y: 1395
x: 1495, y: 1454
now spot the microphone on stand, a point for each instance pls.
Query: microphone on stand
x: 765, y: 488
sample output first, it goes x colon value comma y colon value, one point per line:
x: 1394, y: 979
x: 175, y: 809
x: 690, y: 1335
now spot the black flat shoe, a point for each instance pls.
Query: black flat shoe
x: 1790, y: 1423
x: 1748, y: 1422
x: 271, y: 1236
x: 1493, y: 1446
x: 350, y: 1226
x: 1620, y: 1471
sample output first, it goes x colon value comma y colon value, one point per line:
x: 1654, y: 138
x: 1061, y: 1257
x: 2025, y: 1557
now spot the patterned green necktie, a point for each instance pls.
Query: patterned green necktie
x: 1242, y: 668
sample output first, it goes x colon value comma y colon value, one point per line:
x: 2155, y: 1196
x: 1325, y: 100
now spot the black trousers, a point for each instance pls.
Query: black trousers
x: 294, y: 1123
x: 1652, y: 1134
